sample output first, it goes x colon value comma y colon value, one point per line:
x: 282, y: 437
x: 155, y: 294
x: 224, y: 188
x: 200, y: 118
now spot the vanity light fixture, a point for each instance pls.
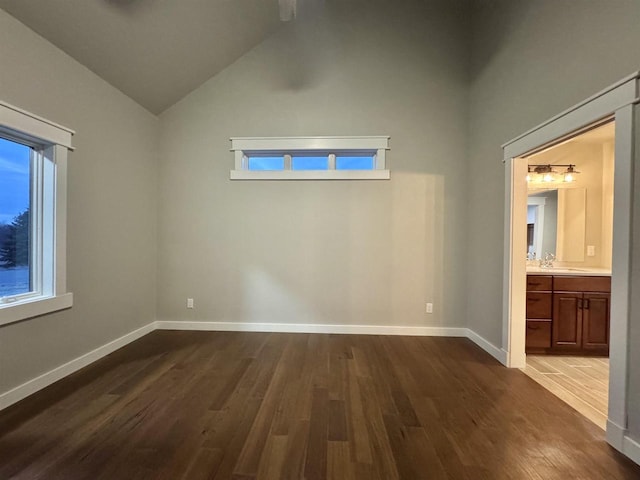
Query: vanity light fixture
x: 545, y: 173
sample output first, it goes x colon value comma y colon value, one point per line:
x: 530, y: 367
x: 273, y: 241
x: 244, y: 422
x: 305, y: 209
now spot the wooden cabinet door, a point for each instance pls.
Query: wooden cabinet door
x: 567, y: 321
x: 595, y: 330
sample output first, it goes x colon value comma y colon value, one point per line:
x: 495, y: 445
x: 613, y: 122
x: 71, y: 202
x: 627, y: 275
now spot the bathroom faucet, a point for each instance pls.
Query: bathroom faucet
x: 547, y: 260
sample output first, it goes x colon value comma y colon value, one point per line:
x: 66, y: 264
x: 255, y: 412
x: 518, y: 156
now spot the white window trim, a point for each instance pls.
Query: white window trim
x: 55, y: 142
x: 243, y: 147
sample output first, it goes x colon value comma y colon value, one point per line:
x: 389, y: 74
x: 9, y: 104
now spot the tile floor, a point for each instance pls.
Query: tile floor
x: 582, y: 382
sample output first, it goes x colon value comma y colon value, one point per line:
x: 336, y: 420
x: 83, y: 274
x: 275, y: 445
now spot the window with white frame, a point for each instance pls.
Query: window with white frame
x: 310, y: 158
x: 33, y: 166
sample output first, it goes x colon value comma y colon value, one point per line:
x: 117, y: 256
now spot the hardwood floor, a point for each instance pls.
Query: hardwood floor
x: 204, y: 405
x: 582, y: 382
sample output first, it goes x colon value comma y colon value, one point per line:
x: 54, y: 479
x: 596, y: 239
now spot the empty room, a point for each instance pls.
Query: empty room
x: 302, y: 239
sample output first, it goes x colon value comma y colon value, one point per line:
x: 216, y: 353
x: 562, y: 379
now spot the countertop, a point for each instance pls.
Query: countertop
x: 574, y: 271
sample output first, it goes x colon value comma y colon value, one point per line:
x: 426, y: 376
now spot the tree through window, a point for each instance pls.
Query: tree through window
x: 15, y: 225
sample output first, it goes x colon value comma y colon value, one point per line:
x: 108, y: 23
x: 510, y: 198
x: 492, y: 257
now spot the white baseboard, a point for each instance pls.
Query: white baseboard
x: 313, y: 328
x: 497, y: 353
x: 631, y: 448
x: 615, y: 435
x: 22, y: 391
x: 618, y: 439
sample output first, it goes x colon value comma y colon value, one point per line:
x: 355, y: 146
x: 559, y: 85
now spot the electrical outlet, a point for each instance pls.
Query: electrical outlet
x: 591, y: 250
x: 189, y: 302
x: 429, y: 308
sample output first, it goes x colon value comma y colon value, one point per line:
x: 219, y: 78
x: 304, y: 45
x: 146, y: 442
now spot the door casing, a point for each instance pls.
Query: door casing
x: 617, y: 102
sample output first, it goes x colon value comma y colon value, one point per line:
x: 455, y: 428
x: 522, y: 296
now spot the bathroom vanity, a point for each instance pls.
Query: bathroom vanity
x: 568, y: 311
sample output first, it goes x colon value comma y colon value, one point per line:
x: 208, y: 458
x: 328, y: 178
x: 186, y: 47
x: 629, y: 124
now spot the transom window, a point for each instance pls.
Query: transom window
x: 310, y: 158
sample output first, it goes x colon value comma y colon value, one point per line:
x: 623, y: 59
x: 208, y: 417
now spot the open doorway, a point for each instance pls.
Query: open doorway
x: 618, y: 102
x: 570, y: 197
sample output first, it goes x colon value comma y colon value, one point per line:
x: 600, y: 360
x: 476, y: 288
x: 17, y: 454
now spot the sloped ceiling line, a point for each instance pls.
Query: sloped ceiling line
x: 156, y: 52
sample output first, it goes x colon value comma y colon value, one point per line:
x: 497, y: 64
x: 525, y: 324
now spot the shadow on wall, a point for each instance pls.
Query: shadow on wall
x: 325, y: 33
x: 513, y: 14
x: 305, y: 47
x: 128, y: 7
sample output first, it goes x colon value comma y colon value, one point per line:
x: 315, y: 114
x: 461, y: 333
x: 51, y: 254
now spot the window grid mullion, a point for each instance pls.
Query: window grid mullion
x: 332, y: 161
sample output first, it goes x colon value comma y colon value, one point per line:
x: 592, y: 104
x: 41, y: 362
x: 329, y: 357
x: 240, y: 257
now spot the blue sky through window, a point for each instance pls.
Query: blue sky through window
x: 14, y: 179
x: 266, y: 163
x: 310, y: 163
x: 361, y: 162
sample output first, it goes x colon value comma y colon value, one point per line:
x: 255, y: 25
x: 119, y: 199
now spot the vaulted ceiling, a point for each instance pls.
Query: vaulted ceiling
x: 155, y: 51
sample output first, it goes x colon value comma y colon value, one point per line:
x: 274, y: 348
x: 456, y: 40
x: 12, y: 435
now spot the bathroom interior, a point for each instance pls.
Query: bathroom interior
x: 569, y: 256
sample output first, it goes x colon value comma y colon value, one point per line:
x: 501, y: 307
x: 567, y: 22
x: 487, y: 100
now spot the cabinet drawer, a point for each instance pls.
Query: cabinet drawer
x: 539, y: 282
x: 582, y: 284
x: 539, y: 305
x: 538, y: 334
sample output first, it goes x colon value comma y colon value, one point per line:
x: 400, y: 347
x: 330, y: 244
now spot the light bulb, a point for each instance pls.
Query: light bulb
x: 547, y: 178
x: 570, y: 174
x: 528, y: 178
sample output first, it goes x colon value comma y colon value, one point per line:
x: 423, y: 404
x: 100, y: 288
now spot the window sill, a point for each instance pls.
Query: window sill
x: 311, y: 175
x: 33, y: 307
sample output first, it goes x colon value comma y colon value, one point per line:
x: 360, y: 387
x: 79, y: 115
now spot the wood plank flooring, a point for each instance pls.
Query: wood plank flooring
x: 225, y: 405
x: 582, y: 382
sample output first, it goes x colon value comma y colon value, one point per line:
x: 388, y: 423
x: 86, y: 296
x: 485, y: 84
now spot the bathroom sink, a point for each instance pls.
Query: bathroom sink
x: 554, y: 269
x: 568, y: 270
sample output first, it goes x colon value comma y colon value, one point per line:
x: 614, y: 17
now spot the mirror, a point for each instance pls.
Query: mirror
x: 556, y: 223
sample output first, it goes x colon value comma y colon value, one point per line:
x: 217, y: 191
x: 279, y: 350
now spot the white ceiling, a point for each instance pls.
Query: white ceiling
x: 155, y: 51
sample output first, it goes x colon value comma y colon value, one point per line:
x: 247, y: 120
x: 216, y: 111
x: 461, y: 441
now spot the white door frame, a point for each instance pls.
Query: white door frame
x: 619, y: 101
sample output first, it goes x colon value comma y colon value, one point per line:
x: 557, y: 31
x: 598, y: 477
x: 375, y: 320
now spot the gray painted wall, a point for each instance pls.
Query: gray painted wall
x: 530, y: 61
x: 112, y: 195
x: 546, y: 56
x: 332, y: 252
